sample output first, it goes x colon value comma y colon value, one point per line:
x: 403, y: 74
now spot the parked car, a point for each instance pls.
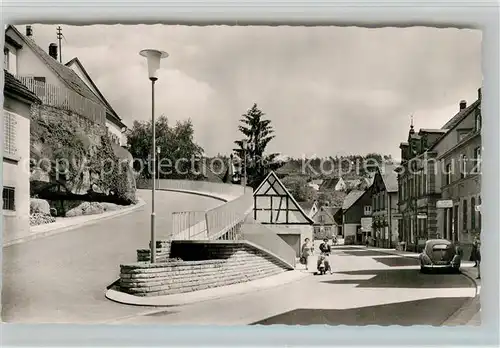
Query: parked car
x: 440, y: 254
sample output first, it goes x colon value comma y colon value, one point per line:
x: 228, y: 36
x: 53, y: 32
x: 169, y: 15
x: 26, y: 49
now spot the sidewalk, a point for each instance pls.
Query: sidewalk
x: 208, y: 294
x: 70, y: 223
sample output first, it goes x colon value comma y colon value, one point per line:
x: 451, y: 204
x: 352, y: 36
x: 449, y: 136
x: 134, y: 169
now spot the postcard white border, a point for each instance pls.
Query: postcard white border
x: 462, y: 14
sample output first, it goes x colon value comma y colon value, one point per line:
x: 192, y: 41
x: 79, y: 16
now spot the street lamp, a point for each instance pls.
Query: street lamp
x: 153, y: 57
x: 245, y: 144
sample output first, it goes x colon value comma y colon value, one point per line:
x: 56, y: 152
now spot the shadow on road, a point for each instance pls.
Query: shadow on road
x: 362, y: 252
x: 432, y: 312
x: 397, y: 261
x: 403, y: 278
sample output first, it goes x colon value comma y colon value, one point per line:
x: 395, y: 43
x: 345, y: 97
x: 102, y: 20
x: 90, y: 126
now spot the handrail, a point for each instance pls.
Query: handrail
x: 221, y: 222
x: 66, y: 99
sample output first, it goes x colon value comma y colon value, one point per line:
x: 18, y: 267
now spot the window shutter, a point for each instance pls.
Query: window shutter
x: 9, y: 132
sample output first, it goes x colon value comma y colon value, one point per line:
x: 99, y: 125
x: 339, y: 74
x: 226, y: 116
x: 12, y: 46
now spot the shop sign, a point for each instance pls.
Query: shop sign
x: 443, y: 204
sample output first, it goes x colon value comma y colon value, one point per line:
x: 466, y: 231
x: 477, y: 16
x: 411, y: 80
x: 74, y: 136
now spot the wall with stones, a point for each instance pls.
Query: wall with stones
x: 229, y: 263
x: 57, y: 133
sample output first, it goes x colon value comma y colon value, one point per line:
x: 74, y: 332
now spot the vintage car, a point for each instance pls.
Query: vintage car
x: 440, y: 254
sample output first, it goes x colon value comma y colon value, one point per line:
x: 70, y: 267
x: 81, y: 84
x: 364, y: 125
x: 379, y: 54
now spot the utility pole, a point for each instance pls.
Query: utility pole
x: 59, y: 38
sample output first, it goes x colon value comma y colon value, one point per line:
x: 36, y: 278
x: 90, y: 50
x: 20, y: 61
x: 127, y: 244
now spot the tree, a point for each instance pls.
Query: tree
x: 258, y: 133
x: 179, y: 155
x: 298, y: 188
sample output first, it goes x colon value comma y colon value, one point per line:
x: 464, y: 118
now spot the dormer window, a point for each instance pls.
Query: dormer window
x: 477, y: 123
x: 10, y: 60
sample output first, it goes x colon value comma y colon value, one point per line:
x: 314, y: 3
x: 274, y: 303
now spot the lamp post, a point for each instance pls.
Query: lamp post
x: 245, y: 144
x: 153, y: 57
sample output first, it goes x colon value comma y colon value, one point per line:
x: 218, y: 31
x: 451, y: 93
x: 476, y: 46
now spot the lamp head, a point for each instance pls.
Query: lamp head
x: 153, y: 57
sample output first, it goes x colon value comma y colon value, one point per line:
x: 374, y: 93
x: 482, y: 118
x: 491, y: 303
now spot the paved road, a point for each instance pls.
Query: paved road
x: 367, y: 287
x: 62, y: 278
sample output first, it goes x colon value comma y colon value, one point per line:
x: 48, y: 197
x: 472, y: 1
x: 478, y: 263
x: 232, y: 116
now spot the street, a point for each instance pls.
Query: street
x: 367, y: 287
x: 62, y: 278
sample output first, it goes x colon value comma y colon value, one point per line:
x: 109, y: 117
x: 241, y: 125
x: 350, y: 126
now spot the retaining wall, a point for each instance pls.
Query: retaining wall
x: 162, y: 252
x: 233, y: 262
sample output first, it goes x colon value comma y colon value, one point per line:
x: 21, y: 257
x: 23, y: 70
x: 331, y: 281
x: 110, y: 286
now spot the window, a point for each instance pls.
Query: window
x: 374, y: 201
x: 321, y: 218
x: 424, y: 184
x: 6, y: 59
x: 368, y: 210
x: 477, y: 160
x: 473, y: 213
x: 463, y: 166
x: 448, y: 174
x: 464, y: 213
x: 9, y: 132
x: 8, y: 195
x: 477, y: 123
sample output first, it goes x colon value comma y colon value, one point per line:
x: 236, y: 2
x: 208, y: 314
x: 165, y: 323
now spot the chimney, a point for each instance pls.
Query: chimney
x: 479, y: 94
x: 53, y: 50
x: 29, y: 31
x: 463, y: 104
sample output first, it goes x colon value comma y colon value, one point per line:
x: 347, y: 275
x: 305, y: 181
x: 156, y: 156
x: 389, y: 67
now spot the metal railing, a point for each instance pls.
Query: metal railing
x: 223, y: 221
x: 66, y: 99
x: 189, y: 225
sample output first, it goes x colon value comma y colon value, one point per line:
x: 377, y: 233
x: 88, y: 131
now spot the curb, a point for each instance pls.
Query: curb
x: 198, y: 193
x: 200, y: 295
x: 92, y: 220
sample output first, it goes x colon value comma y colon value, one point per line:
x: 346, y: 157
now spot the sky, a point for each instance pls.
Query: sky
x: 327, y: 90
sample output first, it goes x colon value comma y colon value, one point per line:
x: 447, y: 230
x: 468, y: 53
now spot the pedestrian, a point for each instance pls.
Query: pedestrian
x: 307, y: 250
x: 367, y: 241
x: 473, y: 253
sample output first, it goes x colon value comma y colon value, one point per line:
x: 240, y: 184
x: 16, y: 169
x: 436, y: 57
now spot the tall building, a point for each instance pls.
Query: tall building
x: 460, y: 162
x: 429, y: 178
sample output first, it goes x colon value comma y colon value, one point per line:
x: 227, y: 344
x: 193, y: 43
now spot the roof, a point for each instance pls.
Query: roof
x: 65, y: 74
x: 306, y: 205
x: 13, y: 42
x: 108, y: 106
x: 428, y: 130
x: 438, y: 241
x: 330, y: 211
x: 272, y: 176
x: 352, y: 198
x: 329, y: 184
x: 16, y: 87
x: 390, y: 178
x: 455, y: 121
x: 460, y: 116
x: 316, y: 181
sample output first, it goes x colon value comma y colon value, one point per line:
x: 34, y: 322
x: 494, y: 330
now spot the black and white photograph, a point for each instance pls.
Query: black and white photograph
x: 241, y: 175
